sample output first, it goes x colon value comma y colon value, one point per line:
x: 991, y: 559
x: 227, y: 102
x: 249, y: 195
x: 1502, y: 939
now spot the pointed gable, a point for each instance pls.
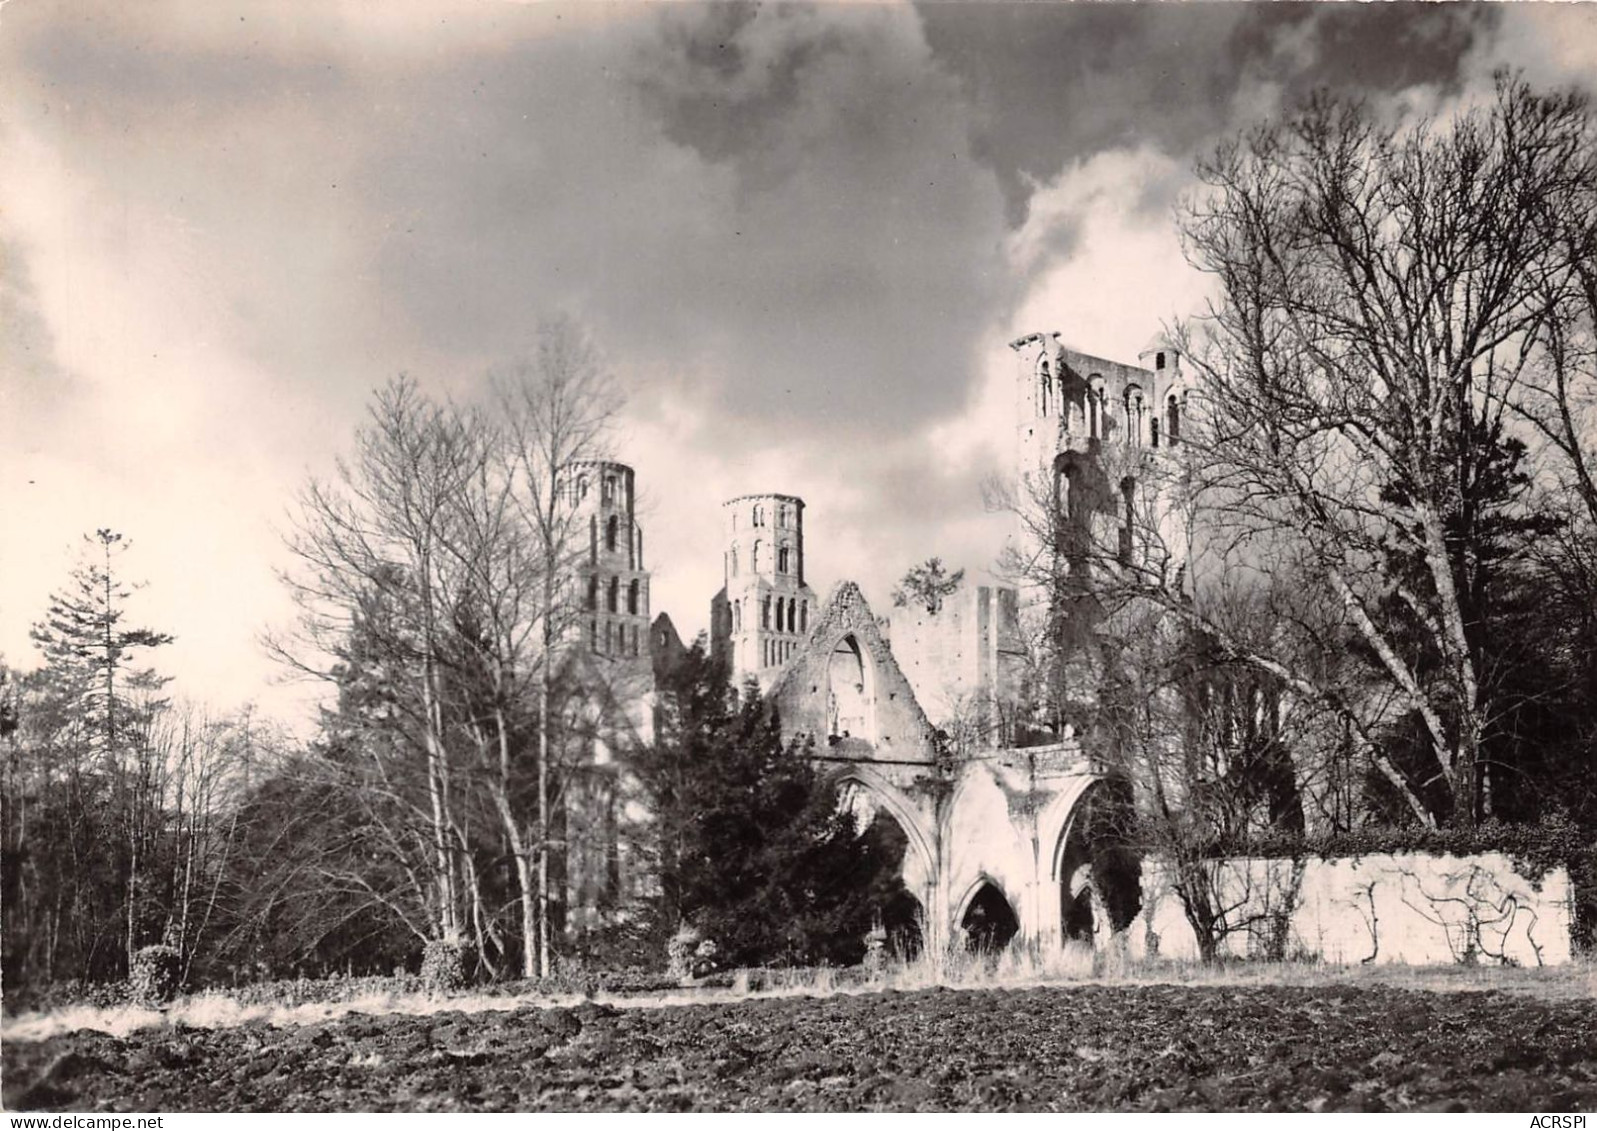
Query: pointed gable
x: 845, y: 689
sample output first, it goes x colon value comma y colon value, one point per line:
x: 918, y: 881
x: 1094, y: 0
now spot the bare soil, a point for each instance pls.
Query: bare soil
x: 1090, y: 1047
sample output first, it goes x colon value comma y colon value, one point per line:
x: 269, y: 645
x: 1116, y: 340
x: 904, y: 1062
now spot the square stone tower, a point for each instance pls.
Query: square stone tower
x: 1098, y: 442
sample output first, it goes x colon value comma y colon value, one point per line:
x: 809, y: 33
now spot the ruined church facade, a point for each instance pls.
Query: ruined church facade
x: 1009, y: 832
x: 913, y: 713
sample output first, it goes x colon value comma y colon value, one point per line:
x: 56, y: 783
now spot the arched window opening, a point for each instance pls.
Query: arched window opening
x: 592, y: 602
x: 782, y: 559
x: 1044, y: 387
x: 1095, y: 408
x: 633, y: 589
x: 636, y: 650
x: 1172, y: 420
x: 582, y: 487
x: 754, y: 561
x: 1153, y: 430
x: 848, y: 701
x: 765, y: 612
x: 737, y: 616
x: 804, y: 617
x: 612, y: 530
x: 613, y: 600
x: 989, y: 922
x: 1134, y: 416
x: 609, y: 490
x: 732, y: 562
x: 792, y: 625
x: 1158, y: 360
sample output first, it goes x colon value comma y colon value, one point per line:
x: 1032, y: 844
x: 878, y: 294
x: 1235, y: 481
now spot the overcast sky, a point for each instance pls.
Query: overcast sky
x: 801, y: 235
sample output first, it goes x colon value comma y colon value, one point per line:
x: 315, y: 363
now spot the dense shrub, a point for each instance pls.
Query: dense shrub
x: 65, y: 994
x: 446, y: 965
x: 157, y: 970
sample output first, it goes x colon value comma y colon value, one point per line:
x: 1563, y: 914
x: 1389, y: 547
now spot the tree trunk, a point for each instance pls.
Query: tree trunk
x: 544, y: 965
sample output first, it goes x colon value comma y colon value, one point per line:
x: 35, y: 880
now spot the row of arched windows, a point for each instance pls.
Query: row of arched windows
x: 781, y: 614
x: 613, y: 595
x: 612, y: 638
x: 777, y: 652
x: 757, y: 516
x: 577, y: 489
x: 784, y: 559
x: 610, y: 541
x: 1138, y: 424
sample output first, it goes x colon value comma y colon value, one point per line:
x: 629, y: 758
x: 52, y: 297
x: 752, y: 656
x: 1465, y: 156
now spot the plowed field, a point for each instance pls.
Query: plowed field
x: 1071, y: 1048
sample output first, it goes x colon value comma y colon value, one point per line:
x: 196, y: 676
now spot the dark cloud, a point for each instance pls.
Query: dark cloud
x: 797, y: 229
x: 784, y: 225
x: 1058, y: 83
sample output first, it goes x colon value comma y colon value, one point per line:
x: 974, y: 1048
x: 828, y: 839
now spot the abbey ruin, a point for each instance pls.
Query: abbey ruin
x: 1011, y: 827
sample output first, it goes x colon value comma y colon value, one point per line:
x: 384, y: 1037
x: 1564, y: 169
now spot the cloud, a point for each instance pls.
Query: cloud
x: 802, y: 234
x: 1553, y: 45
x: 1057, y: 84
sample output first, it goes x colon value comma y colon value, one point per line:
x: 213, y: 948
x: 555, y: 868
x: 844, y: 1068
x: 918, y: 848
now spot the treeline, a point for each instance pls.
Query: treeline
x: 481, y: 780
x: 122, y: 814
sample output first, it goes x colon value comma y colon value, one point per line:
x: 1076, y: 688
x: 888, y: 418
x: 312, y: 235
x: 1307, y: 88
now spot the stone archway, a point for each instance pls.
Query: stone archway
x: 1095, y: 863
x: 901, y: 914
x: 989, y: 921
x: 889, y: 818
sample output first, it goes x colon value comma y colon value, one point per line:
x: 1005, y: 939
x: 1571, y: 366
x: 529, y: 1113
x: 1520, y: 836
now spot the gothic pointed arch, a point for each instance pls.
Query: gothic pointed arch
x: 987, y: 917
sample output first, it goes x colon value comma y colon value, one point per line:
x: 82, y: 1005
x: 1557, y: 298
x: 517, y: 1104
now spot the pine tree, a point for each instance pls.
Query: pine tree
x: 95, y: 683
x: 89, y: 651
x: 753, y: 849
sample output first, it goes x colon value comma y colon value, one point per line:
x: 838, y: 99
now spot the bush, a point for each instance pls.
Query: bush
x: 445, y: 965
x: 154, y: 979
x: 679, y: 952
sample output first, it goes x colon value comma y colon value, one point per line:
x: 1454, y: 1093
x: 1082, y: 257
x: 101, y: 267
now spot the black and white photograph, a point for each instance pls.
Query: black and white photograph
x: 574, y: 556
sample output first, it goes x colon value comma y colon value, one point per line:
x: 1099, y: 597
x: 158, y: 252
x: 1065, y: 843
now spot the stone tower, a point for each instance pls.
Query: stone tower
x: 762, y: 613
x: 1089, y: 431
x: 612, y: 576
x: 608, y: 681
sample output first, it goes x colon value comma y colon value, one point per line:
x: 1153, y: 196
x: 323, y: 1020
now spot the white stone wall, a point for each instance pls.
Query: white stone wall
x: 1406, y: 908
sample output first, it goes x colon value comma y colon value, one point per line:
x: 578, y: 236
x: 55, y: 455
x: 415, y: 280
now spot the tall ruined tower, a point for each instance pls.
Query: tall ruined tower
x: 762, y: 613
x: 612, y: 577
x: 1099, y: 473
x: 607, y: 701
x: 1093, y: 438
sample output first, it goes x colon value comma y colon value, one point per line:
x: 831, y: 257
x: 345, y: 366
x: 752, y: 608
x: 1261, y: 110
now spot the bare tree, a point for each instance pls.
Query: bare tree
x: 376, y: 584
x: 1382, y: 291
x: 558, y: 408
